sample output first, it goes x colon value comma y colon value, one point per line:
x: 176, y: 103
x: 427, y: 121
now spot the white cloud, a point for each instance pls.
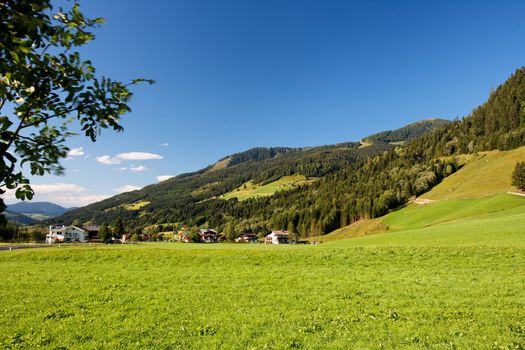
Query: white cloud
x: 138, y: 156
x: 109, y: 160
x: 65, y: 194
x: 165, y: 144
x: 79, y: 201
x: 138, y: 169
x: 75, y: 152
x: 126, y: 188
x: 164, y: 177
x: 57, y: 188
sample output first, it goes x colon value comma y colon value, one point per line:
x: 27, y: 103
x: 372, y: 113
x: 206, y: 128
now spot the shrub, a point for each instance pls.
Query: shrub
x: 518, y: 176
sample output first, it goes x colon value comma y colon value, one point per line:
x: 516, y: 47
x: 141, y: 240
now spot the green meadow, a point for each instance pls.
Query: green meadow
x: 463, y: 291
x: 449, y: 274
x: 252, y: 190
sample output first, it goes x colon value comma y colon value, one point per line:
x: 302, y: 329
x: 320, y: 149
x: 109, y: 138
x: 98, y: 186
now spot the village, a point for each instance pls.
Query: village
x: 91, y: 234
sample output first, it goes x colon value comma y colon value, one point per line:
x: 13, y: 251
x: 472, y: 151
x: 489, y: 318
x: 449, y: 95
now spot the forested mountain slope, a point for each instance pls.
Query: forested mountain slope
x: 407, y: 133
x: 482, y: 186
x: 182, y: 198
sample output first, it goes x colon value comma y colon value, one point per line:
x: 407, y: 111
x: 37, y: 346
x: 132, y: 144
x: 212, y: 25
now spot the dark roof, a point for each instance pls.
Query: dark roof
x: 207, y: 231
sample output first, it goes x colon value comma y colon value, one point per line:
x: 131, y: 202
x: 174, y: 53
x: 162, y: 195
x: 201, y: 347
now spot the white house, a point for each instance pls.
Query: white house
x: 277, y: 237
x: 65, y: 234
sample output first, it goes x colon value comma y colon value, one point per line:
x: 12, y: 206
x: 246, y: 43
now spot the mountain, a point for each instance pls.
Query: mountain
x: 407, y: 133
x: 180, y: 199
x: 340, y: 184
x: 19, y: 218
x: 37, y: 210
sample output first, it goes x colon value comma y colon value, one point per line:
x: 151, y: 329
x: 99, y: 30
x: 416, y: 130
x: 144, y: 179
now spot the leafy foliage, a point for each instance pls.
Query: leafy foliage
x: 45, y: 85
x: 105, y: 234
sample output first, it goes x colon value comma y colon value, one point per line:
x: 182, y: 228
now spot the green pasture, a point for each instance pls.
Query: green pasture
x: 366, y: 293
x: 487, y: 174
x: 136, y: 206
x: 251, y: 190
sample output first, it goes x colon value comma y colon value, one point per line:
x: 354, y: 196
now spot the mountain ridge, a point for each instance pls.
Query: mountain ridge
x: 261, y: 165
x: 38, y: 211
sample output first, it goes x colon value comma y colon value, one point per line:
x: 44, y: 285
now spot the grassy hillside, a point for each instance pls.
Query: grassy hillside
x: 477, y: 189
x: 498, y: 228
x: 465, y: 213
x: 251, y: 190
x: 486, y: 174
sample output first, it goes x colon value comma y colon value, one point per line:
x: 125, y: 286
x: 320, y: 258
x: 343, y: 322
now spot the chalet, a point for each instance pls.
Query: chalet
x: 247, y: 237
x: 209, y: 235
x: 277, y: 237
x: 58, y: 234
x: 92, y: 232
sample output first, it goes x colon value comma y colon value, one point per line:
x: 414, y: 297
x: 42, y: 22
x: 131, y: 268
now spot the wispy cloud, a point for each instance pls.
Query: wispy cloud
x: 58, y: 187
x: 109, y: 160
x: 165, y: 144
x: 139, y: 156
x: 126, y: 188
x: 65, y: 194
x: 138, y: 169
x: 164, y: 177
x: 75, y: 152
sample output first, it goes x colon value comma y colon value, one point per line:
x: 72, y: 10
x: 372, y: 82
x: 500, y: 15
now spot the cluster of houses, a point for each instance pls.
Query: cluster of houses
x: 63, y: 234
x: 212, y: 236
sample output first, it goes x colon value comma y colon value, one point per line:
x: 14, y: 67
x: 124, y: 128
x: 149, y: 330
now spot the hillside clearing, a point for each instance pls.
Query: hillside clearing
x: 250, y: 190
x: 487, y: 174
x: 136, y: 206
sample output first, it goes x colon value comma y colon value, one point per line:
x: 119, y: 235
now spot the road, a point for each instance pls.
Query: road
x: 14, y: 247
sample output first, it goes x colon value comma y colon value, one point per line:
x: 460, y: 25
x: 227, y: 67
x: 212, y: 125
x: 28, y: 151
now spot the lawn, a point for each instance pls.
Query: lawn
x: 353, y: 294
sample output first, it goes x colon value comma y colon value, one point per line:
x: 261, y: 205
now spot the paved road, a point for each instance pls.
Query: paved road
x: 13, y: 247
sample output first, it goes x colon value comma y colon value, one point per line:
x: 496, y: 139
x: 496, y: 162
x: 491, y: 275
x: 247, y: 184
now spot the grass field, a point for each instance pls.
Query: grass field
x: 251, y: 190
x: 446, y: 275
x: 361, y: 293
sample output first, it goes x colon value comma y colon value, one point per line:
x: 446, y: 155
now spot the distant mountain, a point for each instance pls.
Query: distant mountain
x: 38, y: 210
x: 19, y: 218
x: 409, y: 132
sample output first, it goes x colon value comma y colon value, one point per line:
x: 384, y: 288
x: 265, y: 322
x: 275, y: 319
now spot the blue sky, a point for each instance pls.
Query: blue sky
x: 232, y: 75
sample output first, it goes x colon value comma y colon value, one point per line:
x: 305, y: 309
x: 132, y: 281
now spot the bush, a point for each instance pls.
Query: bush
x: 518, y: 176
